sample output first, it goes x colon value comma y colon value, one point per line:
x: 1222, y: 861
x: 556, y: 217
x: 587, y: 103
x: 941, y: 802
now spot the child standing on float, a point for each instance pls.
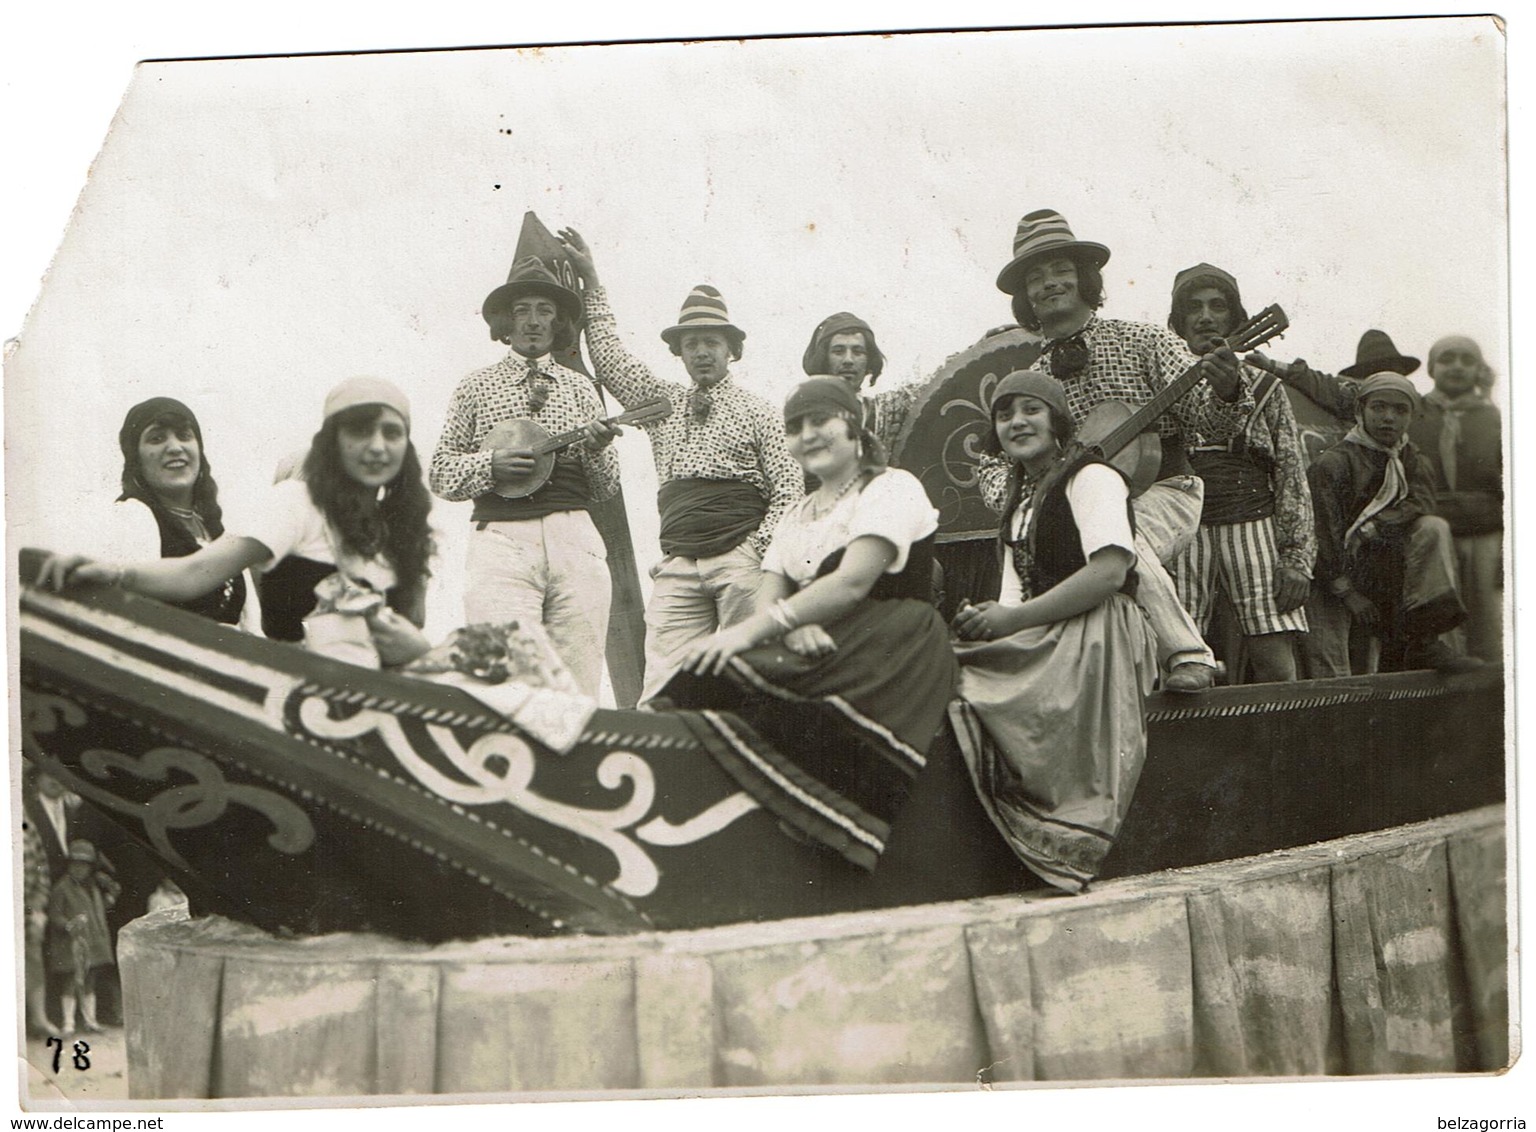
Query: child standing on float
x: 1054, y: 673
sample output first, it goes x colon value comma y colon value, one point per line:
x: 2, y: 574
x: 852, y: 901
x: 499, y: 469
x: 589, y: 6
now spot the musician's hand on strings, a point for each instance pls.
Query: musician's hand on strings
x: 809, y: 640
x: 511, y: 466
x: 580, y: 256
x: 1220, y: 368
x: 600, y: 434
x: 1291, y: 588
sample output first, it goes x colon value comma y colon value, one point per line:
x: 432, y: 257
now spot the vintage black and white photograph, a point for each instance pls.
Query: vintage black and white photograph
x: 930, y: 560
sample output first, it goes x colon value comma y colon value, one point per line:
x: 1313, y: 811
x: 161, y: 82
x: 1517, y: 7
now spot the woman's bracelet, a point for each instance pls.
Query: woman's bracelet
x: 779, y: 613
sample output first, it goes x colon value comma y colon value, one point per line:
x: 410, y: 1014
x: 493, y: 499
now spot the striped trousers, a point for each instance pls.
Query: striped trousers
x: 1241, y: 559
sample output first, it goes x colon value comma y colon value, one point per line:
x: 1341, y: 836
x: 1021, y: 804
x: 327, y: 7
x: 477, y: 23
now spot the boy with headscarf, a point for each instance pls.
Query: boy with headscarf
x: 1385, y: 576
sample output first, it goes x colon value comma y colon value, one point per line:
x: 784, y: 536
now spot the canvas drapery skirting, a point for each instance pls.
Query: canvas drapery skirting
x: 1380, y: 953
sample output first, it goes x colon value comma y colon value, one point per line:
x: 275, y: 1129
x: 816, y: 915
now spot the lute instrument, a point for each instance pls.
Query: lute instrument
x: 530, y: 435
x: 1127, y: 437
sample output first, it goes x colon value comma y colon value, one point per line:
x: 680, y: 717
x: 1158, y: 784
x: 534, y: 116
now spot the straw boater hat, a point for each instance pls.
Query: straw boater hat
x: 703, y: 309
x: 529, y: 276
x: 1377, y: 353
x: 1043, y: 233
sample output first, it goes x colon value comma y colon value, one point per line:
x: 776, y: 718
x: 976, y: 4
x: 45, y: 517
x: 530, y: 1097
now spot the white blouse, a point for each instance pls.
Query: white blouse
x: 1097, y: 495
x: 893, y: 506
x: 288, y: 523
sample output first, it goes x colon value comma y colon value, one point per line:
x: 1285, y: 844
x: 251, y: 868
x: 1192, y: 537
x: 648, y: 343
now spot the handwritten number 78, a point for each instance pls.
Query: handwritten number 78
x: 81, y: 1050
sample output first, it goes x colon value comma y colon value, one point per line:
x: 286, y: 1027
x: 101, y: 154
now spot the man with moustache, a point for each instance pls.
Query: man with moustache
x: 1056, y: 285
x: 538, y: 559
x: 1256, y: 540
x: 843, y: 346
x: 725, y: 473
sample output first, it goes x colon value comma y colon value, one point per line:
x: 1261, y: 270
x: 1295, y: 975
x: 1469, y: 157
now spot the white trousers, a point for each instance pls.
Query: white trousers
x: 551, y: 572
x: 1167, y: 517
x: 690, y: 599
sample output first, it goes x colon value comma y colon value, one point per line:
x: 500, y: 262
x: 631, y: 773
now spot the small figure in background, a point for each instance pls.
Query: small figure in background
x: 78, y: 942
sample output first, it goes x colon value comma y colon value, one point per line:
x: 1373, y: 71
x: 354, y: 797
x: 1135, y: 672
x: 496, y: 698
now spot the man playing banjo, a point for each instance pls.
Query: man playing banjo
x: 724, y: 469
x: 1056, y: 287
x: 534, y: 557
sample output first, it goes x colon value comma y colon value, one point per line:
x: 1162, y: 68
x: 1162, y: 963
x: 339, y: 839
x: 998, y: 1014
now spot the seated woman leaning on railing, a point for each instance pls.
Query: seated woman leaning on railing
x: 355, y: 525
x: 1054, y: 673
x: 840, y: 679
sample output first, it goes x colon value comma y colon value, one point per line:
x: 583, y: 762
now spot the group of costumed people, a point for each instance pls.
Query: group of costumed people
x: 800, y: 623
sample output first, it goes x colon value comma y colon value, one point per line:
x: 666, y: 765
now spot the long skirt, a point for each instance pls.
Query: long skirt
x: 832, y: 744
x: 1052, y: 726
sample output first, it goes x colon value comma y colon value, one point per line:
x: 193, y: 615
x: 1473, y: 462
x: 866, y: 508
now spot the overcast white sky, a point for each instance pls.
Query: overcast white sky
x: 254, y: 231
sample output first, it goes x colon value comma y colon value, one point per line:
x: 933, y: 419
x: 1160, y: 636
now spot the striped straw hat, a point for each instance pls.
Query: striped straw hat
x: 703, y: 309
x: 1042, y: 233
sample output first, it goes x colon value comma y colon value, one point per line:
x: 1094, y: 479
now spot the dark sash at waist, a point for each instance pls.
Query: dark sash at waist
x: 703, y: 518
x: 1237, y: 488
x: 565, y: 491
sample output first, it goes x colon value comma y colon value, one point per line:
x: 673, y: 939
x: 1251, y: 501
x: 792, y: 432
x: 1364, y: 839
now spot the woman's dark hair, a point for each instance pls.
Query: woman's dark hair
x: 1063, y: 428
x: 392, y: 522
x: 205, y: 492
x: 500, y: 322
x: 1090, y: 288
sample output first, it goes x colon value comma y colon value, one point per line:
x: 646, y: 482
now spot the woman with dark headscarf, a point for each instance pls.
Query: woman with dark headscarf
x: 355, y: 526
x: 167, y: 478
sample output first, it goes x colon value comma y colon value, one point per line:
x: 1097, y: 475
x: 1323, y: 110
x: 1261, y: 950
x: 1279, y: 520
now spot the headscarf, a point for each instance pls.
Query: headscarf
x: 836, y: 398
x: 814, y: 361
x: 1031, y: 383
x: 204, y: 491
x: 1394, y: 483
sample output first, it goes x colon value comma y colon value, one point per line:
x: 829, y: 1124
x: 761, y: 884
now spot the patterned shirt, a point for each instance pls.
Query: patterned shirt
x: 1131, y: 362
x: 1271, y: 435
x: 741, y: 438
x: 500, y: 393
x: 886, y: 412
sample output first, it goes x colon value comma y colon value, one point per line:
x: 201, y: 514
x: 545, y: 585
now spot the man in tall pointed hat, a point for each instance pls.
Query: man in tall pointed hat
x: 1386, y: 572
x: 1057, y: 286
x: 725, y: 473
x: 1256, y: 541
x: 843, y: 346
x: 535, y: 555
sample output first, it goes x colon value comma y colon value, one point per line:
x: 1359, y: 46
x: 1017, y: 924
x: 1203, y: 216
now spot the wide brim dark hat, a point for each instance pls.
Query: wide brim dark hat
x: 1040, y: 234
x: 529, y: 276
x: 1376, y: 353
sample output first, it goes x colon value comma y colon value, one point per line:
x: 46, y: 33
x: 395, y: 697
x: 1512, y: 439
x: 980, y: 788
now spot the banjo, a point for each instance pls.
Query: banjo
x: 1126, y: 438
x: 535, y: 438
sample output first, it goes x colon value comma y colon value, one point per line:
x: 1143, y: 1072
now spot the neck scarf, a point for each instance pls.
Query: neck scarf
x: 1394, y: 484
x: 1450, y: 428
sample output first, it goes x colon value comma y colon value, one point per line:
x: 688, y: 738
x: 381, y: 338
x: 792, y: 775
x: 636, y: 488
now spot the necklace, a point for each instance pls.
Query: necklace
x: 821, y: 510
